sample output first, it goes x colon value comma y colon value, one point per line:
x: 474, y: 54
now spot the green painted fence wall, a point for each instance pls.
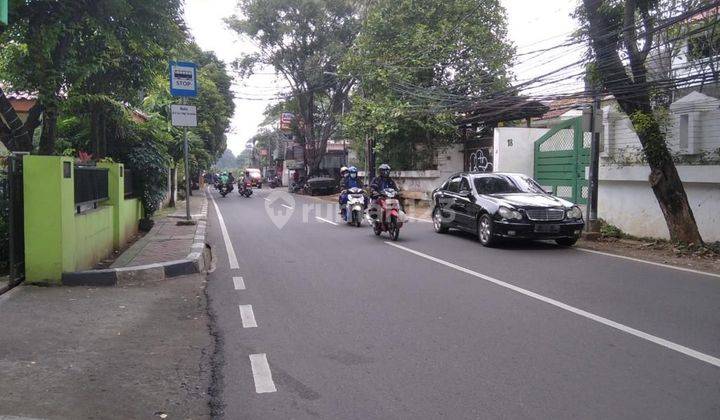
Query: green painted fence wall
x: 57, y: 239
x: 130, y: 213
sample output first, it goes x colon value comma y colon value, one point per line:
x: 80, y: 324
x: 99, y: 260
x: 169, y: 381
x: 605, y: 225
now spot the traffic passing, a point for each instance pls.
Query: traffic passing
x: 495, y: 207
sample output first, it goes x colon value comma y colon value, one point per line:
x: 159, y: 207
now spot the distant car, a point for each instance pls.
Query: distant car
x: 504, y: 205
x: 321, y: 185
x: 256, y: 177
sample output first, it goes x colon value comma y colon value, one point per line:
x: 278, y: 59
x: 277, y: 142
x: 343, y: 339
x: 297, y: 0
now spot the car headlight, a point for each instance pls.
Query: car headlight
x: 509, y: 214
x: 574, y: 213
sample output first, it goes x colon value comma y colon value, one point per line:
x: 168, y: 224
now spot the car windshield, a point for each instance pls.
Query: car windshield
x: 507, y: 184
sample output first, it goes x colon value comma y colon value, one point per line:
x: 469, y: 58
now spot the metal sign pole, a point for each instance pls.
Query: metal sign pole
x: 187, y: 172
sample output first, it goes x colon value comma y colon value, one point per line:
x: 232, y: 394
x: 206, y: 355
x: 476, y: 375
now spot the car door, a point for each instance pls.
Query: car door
x: 447, y: 200
x: 462, y: 206
x: 483, y: 186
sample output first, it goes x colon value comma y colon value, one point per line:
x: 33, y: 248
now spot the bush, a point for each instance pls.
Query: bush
x: 611, y: 231
x: 143, y: 151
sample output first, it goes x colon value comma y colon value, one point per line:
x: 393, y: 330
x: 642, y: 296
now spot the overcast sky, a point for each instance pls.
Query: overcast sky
x: 532, y: 25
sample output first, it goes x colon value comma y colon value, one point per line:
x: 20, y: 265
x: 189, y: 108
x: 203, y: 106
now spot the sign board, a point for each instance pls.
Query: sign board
x: 184, y: 115
x: 286, y: 120
x: 183, y: 79
x: 4, y: 12
x: 294, y: 164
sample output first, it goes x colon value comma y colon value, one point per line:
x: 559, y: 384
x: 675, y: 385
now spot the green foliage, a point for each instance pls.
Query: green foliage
x: 145, y: 154
x: 412, y: 58
x: 611, y: 231
x: 304, y: 41
x: 110, y: 47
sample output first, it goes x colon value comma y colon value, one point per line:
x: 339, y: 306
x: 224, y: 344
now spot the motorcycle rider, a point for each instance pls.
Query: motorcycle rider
x: 381, y: 182
x: 246, y: 179
x: 343, y: 175
x: 351, y: 180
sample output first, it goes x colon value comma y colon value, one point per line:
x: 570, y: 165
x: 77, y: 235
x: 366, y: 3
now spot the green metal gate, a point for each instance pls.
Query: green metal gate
x: 562, y: 156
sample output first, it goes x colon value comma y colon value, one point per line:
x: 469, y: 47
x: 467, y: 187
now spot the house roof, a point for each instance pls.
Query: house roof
x: 507, y: 108
x: 559, y: 107
x: 15, y: 95
x: 704, y: 15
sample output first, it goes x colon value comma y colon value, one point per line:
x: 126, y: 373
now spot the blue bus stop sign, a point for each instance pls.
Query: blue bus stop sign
x: 183, y: 79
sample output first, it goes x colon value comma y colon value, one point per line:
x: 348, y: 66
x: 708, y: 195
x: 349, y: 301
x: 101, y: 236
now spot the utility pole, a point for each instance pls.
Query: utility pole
x: 593, y: 170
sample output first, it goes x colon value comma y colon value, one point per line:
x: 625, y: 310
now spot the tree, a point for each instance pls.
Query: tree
x: 417, y: 63
x: 53, y: 48
x: 304, y: 41
x: 616, y: 27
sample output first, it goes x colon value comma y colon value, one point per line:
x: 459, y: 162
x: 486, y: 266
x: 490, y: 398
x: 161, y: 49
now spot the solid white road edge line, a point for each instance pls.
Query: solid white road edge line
x: 326, y: 220
x: 673, y: 267
x: 248, y: 316
x: 261, y: 374
x: 239, y: 283
x: 624, y: 328
x: 419, y: 219
x: 226, y: 238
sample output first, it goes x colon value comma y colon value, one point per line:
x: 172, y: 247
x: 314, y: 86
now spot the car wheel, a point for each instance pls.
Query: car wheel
x: 486, y: 231
x: 566, y: 241
x: 438, y: 224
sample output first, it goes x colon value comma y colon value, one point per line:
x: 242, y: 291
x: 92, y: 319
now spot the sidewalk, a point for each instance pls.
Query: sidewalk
x: 139, y: 350
x: 166, y: 241
x: 170, y: 249
x: 106, y: 353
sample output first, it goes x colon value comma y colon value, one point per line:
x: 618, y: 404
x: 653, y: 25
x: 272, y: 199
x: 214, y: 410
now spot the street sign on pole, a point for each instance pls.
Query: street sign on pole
x: 183, y: 79
x: 4, y: 12
x: 286, y: 120
x: 184, y: 115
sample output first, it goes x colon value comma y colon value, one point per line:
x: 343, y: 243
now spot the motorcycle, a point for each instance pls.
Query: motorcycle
x: 245, y: 189
x: 274, y: 181
x: 387, y: 216
x: 225, y: 188
x: 354, y: 208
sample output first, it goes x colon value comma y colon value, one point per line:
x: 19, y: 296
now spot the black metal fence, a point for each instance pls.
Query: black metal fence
x: 129, y: 183
x: 4, y: 216
x: 12, y: 237
x: 91, y: 187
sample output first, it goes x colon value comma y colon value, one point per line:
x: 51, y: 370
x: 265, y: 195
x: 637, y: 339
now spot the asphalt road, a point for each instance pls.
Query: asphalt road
x: 323, y: 320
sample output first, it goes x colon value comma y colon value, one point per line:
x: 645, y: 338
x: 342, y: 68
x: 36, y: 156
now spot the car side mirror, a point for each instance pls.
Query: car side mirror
x: 465, y: 193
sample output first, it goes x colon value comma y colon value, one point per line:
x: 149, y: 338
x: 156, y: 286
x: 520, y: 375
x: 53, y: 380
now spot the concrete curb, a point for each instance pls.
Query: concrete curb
x: 197, y: 261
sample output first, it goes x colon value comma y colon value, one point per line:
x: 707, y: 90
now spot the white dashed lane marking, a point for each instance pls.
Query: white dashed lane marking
x: 262, y: 374
x: 326, y: 220
x: 248, y: 316
x: 239, y: 283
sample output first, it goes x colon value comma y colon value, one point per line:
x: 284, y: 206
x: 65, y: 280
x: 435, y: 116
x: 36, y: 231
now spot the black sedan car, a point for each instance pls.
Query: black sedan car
x: 503, y: 205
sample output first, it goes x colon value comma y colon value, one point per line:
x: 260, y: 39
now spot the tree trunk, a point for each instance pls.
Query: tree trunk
x: 173, y: 186
x: 664, y: 178
x: 49, y: 131
x: 633, y: 96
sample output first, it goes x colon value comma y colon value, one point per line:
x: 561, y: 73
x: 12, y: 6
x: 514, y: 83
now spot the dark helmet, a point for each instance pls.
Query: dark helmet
x: 352, y: 172
x: 384, y: 170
